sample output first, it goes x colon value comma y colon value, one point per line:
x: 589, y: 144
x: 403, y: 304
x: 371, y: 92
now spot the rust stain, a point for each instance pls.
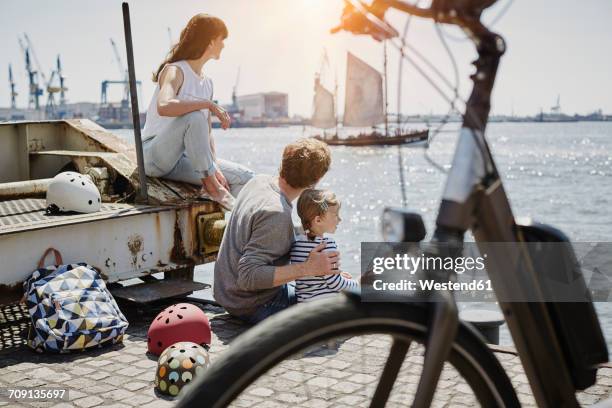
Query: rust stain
x: 158, y: 230
x: 192, y: 229
x: 177, y: 254
x: 109, y: 263
x: 35, y: 145
x: 135, y: 245
x: 157, y: 225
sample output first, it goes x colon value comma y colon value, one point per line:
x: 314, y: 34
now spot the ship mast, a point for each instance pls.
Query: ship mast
x: 336, y: 102
x: 386, y: 101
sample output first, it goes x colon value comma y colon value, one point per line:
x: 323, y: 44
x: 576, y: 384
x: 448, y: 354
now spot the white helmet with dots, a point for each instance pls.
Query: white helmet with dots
x: 70, y: 191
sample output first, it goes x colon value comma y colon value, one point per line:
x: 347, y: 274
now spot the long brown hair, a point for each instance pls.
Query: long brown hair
x: 195, y: 38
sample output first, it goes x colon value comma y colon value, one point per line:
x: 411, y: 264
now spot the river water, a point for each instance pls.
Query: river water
x: 556, y: 173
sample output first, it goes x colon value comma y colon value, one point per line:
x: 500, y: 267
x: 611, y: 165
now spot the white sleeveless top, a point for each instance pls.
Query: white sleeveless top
x: 194, y: 87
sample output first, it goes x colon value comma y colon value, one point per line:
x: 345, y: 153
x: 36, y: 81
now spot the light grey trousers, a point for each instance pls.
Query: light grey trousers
x: 182, y: 153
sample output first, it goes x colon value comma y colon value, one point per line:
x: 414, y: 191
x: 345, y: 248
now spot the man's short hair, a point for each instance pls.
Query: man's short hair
x: 305, y: 162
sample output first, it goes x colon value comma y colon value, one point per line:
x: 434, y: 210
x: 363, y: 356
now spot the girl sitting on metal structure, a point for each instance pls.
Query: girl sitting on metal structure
x: 177, y: 140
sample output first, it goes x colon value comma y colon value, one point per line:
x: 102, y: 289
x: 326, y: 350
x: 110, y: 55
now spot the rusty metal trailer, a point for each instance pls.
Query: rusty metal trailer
x: 172, y: 233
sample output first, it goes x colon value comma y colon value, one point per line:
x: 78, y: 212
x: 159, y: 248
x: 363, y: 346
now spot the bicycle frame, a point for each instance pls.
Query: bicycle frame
x: 475, y: 199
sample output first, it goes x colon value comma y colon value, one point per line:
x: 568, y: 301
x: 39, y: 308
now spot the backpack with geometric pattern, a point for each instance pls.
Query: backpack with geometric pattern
x: 71, y: 309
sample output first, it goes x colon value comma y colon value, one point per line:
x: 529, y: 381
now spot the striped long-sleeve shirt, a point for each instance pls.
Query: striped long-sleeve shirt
x: 317, y: 287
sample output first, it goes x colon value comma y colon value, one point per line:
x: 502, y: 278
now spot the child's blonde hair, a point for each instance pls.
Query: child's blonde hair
x: 312, y: 203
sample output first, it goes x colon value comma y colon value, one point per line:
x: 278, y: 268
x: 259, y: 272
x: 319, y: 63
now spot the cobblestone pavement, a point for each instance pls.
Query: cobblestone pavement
x: 334, y: 375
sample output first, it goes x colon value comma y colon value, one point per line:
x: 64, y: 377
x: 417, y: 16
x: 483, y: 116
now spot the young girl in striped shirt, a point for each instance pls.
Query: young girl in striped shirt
x: 319, y: 212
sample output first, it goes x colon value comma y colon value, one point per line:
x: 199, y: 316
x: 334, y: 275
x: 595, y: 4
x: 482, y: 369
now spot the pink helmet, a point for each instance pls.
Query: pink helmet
x: 180, y: 322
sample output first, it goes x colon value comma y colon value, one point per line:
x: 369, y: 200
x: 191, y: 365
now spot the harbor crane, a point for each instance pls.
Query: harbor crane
x: 52, y: 88
x: 104, y: 91
x: 557, y: 108
x: 13, y: 92
x: 35, y: 92
x: 123, y: 72
x: 110, y: 115
x: 235, y: 90
x: 233, y: 109
x: 36, y: 61
x: 124, y: 81
x: 62, y: 80
x: 50, y: 107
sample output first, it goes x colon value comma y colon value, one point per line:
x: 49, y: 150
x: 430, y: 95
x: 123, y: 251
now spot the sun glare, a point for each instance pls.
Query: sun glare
x: 324, y: 7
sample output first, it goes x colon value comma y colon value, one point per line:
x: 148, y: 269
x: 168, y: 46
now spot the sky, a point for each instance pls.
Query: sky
x: 555, y: 48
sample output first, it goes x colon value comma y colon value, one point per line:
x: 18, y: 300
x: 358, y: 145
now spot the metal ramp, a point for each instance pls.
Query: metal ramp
x: 28, y: 214
x: 151, y: 291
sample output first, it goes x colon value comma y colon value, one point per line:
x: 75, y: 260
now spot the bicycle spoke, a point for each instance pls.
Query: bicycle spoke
x: 396, y: 357
x: 380, y: 367
x: 361, y: 371
x: 437, y: 349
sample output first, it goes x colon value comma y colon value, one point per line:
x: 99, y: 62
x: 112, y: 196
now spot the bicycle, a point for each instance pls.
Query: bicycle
x: 474, y: 198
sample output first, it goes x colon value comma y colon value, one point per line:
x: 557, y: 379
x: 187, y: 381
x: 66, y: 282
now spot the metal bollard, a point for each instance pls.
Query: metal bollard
x: 487, y: 322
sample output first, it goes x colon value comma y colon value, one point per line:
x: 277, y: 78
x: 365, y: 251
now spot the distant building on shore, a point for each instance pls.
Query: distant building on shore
x: 87, y: 110
x: 15, y: 114
x: 265, y: 105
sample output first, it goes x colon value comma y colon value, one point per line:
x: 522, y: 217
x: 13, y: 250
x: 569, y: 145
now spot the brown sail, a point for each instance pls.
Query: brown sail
x: 364, y: 102
x: 364, y: 107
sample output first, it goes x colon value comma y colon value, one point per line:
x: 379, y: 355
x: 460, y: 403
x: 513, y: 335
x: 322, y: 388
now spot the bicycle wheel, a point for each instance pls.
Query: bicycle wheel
x: 309, y: 353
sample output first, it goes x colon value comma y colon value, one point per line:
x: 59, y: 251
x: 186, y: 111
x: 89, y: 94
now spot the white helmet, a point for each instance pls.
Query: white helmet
x: 70, y: 191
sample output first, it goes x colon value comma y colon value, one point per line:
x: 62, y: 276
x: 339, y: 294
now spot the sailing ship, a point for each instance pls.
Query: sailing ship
x: 365, y: 106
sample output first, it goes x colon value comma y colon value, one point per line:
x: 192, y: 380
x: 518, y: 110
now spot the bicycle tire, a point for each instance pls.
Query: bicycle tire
x: 280, y: 336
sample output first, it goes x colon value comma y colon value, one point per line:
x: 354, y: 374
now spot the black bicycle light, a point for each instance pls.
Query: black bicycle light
x: 401, y: 225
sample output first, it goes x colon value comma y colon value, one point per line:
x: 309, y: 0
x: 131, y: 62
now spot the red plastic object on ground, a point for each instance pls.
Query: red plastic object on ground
x: 180, y: 322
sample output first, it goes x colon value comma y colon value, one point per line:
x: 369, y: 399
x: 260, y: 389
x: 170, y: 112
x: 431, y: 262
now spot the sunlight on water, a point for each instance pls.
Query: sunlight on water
x: 556, y: 173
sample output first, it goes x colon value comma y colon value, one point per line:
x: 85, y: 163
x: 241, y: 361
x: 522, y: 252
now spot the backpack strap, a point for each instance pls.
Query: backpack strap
x: 58, y: 257
x: 37, y: 275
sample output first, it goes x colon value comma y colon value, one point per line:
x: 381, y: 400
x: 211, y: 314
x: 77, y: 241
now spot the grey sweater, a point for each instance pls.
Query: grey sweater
x: 258, y: 238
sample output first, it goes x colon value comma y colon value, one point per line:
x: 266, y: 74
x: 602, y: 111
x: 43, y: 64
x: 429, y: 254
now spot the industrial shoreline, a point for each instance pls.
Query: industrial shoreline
x: 10, y: 115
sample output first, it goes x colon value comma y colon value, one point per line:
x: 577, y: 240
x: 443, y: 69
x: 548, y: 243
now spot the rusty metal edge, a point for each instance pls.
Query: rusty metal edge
x: 136, y: 210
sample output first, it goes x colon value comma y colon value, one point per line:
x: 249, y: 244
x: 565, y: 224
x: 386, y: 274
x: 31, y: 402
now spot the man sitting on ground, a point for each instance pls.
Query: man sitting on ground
x: 252, y: 270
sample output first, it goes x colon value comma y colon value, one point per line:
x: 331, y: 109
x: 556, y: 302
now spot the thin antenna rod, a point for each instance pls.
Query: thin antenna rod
x: 336, y: 101
x: 142, y: 197
x: 386, y: 98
